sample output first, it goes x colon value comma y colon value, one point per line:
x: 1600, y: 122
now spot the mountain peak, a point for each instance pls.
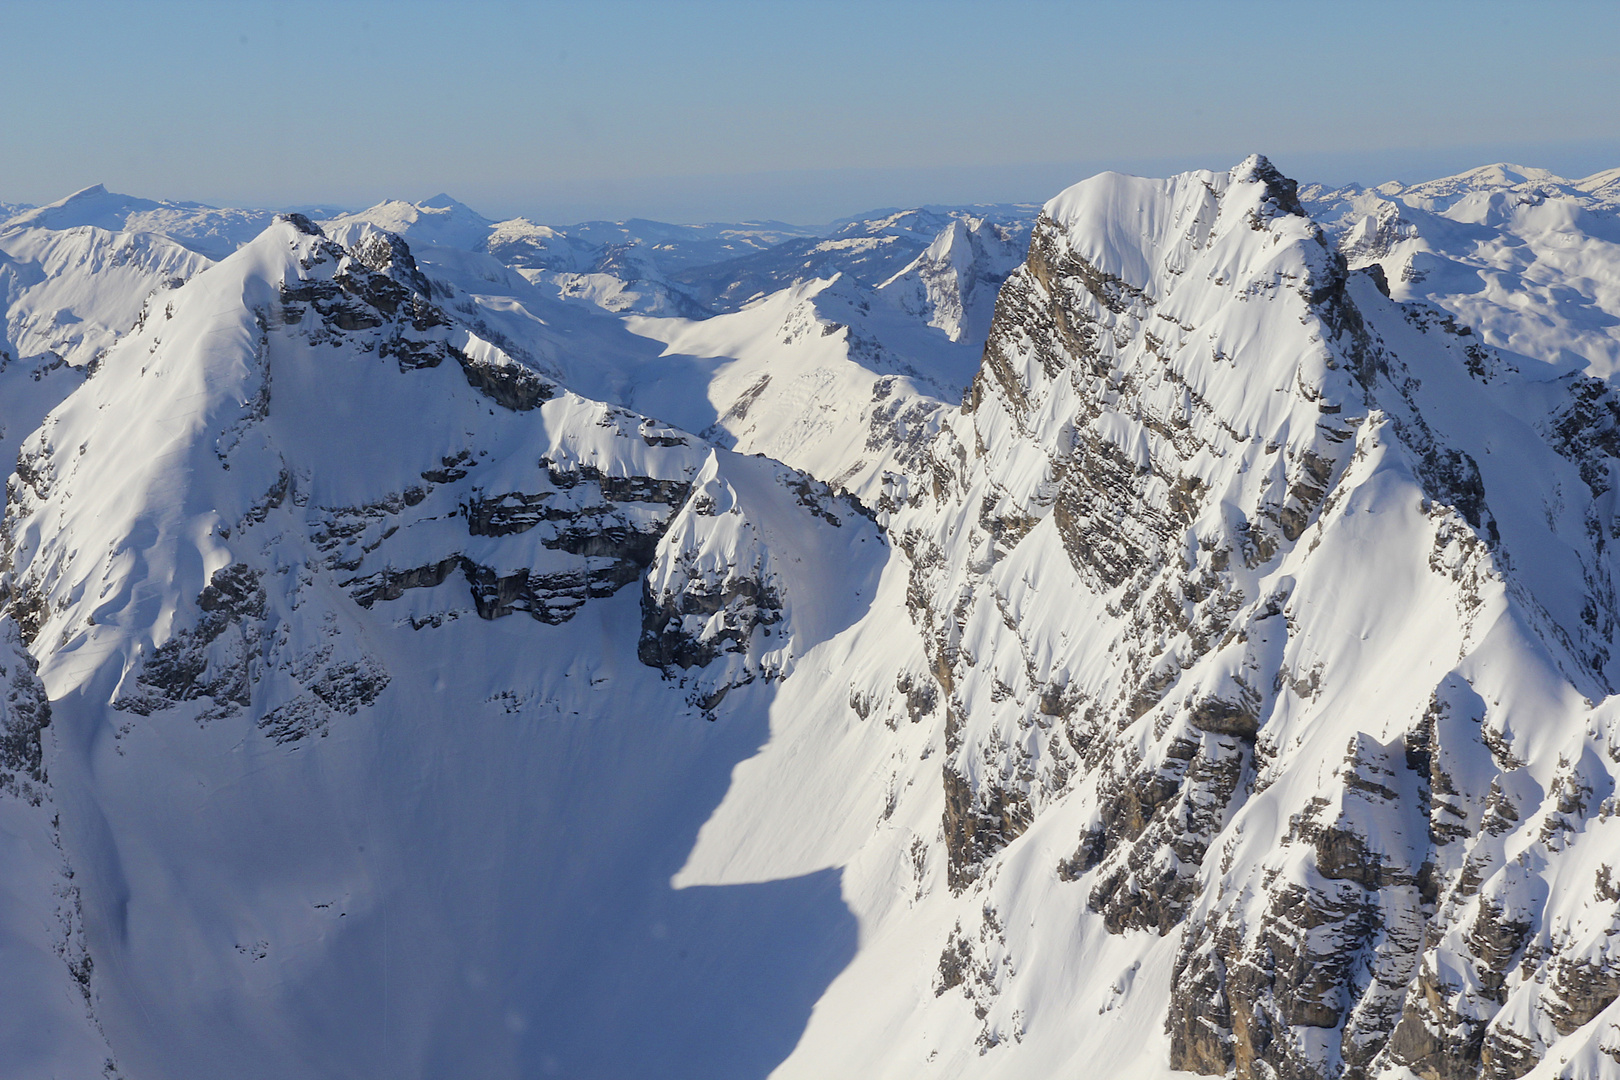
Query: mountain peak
x: 442, y: 201
x: 441, y: 221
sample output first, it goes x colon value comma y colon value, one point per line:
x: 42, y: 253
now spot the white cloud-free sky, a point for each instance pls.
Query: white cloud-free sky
x: 793, y: 110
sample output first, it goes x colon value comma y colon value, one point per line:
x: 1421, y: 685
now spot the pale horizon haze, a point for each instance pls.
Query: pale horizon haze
x: 799, y: 112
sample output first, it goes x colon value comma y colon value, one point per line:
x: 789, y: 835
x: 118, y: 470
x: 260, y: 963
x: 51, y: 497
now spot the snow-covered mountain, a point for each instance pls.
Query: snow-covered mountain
x: 1527, y: 259
x: 1170, y: 632
x: 522, y: 244
x: 206, y: 230
x: 653, y: 268
x: 870, y: 249
x: 952, y: 285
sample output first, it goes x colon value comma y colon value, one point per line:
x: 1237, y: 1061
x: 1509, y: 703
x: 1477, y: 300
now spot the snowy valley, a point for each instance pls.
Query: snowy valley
x: 1167, y: 631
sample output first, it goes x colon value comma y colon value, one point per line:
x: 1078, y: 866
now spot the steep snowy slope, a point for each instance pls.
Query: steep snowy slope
x: 827, y: 376
x: 941, y: 265
x: 356, y: 761
x: 952, y: 285
x: 1267, y: 622
x: 830, y: 376
x: 71, y: 293
x: 73, y: 282
x: 569, y: 336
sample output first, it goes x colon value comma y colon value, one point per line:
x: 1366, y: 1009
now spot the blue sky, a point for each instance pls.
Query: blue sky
x: 794, y: 110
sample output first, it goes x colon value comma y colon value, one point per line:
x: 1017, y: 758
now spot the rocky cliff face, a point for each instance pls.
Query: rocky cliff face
x: 736, y: 588
x: 583, y: 503
x: 1295, y: 599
